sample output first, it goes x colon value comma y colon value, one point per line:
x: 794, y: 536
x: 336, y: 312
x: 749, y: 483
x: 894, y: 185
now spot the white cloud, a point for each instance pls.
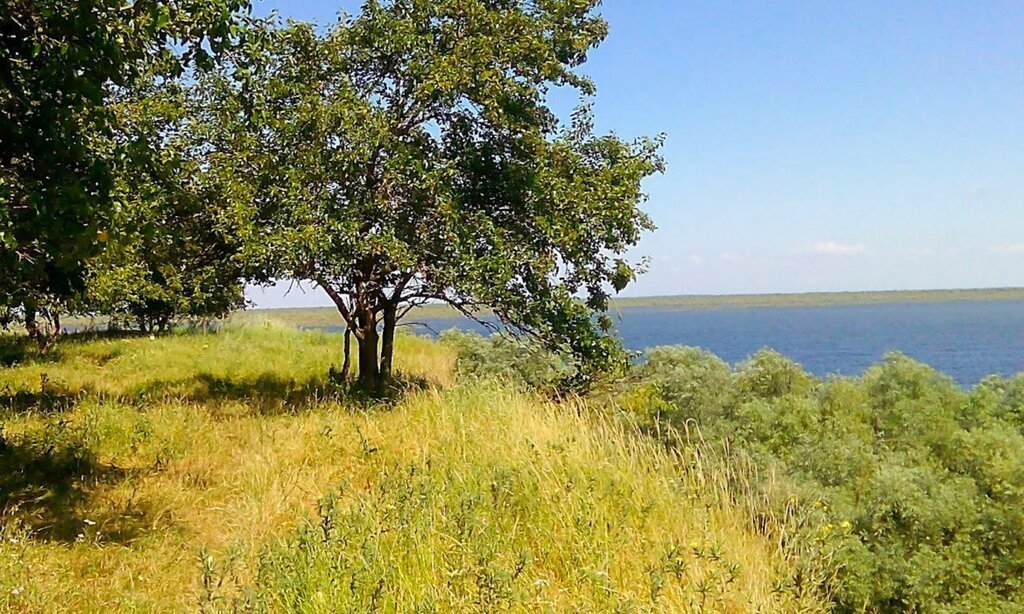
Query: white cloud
x: 833, y: 248
x: 696, y: 259
x: 1009, y: 249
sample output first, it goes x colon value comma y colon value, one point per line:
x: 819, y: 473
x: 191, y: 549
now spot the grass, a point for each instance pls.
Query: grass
x: 223, y: 471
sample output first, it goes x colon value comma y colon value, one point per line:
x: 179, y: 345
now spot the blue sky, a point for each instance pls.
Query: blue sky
x: 812, y: 146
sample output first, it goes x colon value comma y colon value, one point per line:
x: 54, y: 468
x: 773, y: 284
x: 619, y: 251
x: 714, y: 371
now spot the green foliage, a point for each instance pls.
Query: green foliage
x: 170, y: 254
x: 694, y: 382
x: 59, y: 139
x: 408, y: 155
x: 525, y: 365
x: 919, y: 485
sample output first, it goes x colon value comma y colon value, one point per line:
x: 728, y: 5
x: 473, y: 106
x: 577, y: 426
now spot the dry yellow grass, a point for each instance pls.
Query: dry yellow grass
x: 189, y: 471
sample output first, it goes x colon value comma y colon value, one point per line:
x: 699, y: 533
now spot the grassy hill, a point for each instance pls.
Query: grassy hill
x: 224, y: 471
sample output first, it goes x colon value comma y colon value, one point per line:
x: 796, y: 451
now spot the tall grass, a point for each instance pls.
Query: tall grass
x: 484, y: 499
x: 223, y: 470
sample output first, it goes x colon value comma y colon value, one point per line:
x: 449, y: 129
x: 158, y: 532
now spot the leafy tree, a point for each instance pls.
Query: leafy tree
x: 409, y: 155
x: 168, y: 255
x: 59, y: 144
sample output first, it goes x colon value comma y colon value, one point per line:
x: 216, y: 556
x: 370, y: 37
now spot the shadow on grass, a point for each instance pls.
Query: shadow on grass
x: 50, y: 489
x: 265, y: 394
x: 19, y: 349
x: 51, y: 397
x: 270, y: 394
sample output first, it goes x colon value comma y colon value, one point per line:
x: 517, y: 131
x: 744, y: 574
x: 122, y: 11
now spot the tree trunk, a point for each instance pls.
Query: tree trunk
x: 55, y: 322
x: 31, y: 321
x: 387, y: 349
x: 347, y: 361
x: 369, y: 369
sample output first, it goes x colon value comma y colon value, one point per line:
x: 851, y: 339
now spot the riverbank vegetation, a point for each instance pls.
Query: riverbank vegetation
x: 224, y: 470
x: 909, y: 489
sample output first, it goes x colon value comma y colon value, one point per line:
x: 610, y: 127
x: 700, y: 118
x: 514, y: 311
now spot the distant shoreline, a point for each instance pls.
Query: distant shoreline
x: 824, y: 299
x: 328, y: 316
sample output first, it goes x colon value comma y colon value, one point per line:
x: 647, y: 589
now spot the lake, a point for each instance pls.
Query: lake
x: 964, y: 339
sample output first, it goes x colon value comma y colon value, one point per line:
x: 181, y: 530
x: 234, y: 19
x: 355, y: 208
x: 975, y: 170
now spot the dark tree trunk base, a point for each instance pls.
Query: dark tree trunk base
x: 346, y: 362
x: 369, y: 369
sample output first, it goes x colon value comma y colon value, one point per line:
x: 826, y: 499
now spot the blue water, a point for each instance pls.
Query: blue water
x: 967, y: 340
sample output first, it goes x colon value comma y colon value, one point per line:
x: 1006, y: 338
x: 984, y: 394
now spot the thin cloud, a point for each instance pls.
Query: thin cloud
x: 696, y: 259
x: 833, y: 248
x: 1009, y: 249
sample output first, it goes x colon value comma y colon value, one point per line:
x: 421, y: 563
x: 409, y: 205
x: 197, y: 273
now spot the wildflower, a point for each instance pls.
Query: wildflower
x: 17, y: 591
x: 89, y: 522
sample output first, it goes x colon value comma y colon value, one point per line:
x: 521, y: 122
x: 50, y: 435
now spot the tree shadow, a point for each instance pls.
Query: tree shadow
x: 265, y: 394
x: 51, y: 490
x: 270, y: 394
x: 50, y: 398
x: 18, y: 349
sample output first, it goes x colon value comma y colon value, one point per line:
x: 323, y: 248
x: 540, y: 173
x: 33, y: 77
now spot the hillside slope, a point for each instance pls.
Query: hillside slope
x: 218, y: 471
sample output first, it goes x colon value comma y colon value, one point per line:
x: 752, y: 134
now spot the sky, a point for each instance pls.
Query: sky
x: 811, y: 146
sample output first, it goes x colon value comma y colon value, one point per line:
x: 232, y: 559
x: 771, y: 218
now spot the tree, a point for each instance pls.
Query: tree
x: 62, y: 60
x: 168, y: 255
x: 409, y: 155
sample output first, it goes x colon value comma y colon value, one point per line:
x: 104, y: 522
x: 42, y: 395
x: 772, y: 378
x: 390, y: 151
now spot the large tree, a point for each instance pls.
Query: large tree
x: 409, y: 155
x: 60, y: 63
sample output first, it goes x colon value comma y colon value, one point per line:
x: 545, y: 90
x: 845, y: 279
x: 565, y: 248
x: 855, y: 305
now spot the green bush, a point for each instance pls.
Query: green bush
x: 921, y: 483
x: 695, y: 383
x: 523, y: 364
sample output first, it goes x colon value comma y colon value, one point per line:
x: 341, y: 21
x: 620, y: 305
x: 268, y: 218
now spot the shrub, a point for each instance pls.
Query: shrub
x: 519, y: 362
x: 769, y: 375
x: 694, y: 382
x: 921, y: 483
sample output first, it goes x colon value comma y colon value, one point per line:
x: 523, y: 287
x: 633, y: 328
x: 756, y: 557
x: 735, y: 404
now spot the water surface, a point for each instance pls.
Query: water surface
x: 967, y: 340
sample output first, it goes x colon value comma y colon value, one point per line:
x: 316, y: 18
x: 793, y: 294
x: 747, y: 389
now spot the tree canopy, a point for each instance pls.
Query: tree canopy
x: 60, y: 142
x: 169, y: 257
x: 409, y: 154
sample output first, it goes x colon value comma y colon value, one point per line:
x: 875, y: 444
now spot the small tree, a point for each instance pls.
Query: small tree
x: 408, y: 155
